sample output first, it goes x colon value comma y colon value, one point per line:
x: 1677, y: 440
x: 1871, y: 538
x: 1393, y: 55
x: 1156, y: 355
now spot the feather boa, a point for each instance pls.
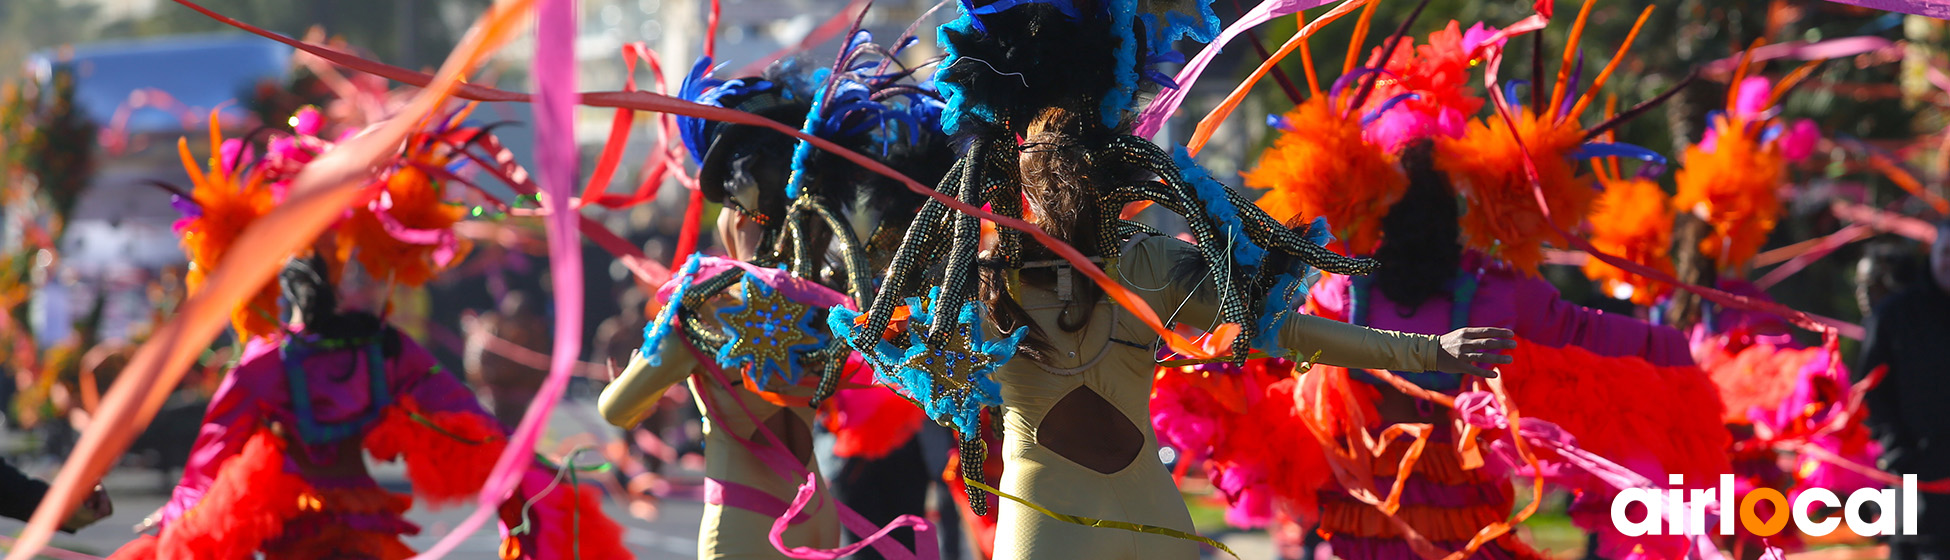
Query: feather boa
x: 1502, y: 217
x: 1309, y: 167
x: 445, y: 468
x: 250, y: 503
x: 1633, y: 219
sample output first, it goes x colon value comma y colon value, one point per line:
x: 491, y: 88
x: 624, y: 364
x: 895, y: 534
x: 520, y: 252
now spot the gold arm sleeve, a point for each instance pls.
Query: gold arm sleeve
x: 1354, y: 346
x: 1149, y: 273
x: 634, y: 394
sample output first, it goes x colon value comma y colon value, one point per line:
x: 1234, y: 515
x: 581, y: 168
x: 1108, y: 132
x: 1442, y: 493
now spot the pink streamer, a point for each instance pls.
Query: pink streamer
x: 555, y: 100
x: 1167, y: 102
x: 1926, y: 8
x: 447, y: 244
x: 732, y: 494
x: 1803, y: 50
x: 51, y: 552
x: 1828, y: 244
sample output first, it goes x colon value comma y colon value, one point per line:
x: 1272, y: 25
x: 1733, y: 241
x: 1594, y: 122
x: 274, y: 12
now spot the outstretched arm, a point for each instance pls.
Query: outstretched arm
x: 1148, y: 266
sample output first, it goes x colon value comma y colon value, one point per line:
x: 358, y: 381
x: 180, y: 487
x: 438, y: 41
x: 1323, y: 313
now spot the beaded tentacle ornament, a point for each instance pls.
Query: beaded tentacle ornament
x: 1006, y: 61
x: 824, y: 220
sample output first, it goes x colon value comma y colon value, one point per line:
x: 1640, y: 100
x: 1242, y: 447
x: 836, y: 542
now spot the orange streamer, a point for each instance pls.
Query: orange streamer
x: 319, y: 195
x: 1211, y: 122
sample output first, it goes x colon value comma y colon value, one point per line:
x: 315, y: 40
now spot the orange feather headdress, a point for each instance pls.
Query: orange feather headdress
x: 1732, y: 179
x: 402, y: 236
x: 1321, y: 167
x: 1633, y: 220
x: 224, y: 203
x: 1487, y: 163
x: 1501, y: 216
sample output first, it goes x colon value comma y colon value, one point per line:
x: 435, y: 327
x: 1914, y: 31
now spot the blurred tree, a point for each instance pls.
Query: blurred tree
x: 28, y: 25
x: 61, y: 149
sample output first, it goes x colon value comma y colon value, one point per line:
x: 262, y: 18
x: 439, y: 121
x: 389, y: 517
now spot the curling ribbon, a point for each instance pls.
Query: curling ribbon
x: 776, y: 458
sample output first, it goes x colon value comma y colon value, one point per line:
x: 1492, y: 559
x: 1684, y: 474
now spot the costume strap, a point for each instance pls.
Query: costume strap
x: 732, y: 494
x: 310, y: 429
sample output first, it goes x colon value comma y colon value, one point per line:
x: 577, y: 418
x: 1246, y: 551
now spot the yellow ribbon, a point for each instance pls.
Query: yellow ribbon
x: 1104, y: 523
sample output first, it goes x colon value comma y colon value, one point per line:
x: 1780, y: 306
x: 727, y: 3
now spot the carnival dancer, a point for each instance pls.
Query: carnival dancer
x: 1775, y: 388
x: 1062, y: 76
x: 1445, y: 264
x: 748, y: 335
x: 280, y: 465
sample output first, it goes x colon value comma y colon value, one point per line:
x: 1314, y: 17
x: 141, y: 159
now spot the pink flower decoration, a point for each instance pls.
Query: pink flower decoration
x: 1800, y: 139
x: 232, y: 150
x: 308, y: 122
x: 1751, y: 101
x: 1477, y: 34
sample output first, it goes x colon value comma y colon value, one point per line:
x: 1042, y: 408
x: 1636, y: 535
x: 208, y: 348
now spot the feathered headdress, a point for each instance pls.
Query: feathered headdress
x: 1424, y: 90
x: 1732, y: 178
x: 1312, y: 167
x: 404, y: 235
x: 1632, y: 219
x: 1488, y: 162
x: 223, y: 201
x: 401, y: 236
x: 1325, y: 146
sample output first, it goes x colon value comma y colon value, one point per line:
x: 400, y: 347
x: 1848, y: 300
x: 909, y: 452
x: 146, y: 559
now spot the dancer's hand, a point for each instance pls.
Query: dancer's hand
x: 96, y: 507
x: 1463, y: 348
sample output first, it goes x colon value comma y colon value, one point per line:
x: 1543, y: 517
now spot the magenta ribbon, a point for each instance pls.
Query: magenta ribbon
x: 1803, y: 50
x: 447, y: 245
x: 554, y: 70
x: 732, y: 494
x: 1926, y: 8
x: 776, y: 457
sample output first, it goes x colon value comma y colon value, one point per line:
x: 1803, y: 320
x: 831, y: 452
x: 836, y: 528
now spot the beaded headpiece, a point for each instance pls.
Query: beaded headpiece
x: 823, y: 218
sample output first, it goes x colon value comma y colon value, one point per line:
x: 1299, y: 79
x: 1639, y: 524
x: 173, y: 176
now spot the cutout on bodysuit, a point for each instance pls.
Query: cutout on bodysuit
x: 1090, y: 431
x: 792, y: 431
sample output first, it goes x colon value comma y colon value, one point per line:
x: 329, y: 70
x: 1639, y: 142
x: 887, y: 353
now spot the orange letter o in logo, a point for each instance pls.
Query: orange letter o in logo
x: 1752, y: 521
